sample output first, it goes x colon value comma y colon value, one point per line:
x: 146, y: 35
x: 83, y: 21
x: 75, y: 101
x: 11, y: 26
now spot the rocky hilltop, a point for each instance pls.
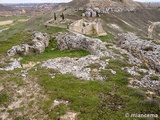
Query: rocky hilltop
x: 5, y: 8
x: 105, y: 6
x: 87, y: 59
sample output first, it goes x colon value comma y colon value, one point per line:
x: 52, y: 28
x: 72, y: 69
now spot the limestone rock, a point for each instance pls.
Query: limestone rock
x: 15, y: 63
x: 38, y: 45
x: 79, y: 67
x: 67, y: 41
x: 147, y: 51
x: 76, y: 66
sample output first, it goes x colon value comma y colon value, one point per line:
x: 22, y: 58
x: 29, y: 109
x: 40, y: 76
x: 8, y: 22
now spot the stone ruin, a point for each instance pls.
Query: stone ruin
x: 88, y: 27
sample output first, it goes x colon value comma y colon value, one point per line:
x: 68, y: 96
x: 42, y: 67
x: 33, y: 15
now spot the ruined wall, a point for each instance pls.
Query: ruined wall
x: 88, y: 27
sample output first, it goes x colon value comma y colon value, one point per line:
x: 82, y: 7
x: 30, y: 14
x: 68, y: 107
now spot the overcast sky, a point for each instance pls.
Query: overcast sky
x: 54, y: 1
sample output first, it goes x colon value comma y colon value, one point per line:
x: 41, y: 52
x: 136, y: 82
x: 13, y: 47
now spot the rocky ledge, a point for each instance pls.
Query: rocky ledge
x: 37, y: 45
x: 96, y: 47
x: 147, y: 51
x: 95, y: 12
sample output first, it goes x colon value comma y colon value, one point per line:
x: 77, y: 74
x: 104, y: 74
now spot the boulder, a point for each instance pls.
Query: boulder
x: 37, y: 45
x: 66, y: 41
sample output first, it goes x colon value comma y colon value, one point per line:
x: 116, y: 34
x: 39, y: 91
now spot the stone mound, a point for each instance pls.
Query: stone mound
x: 37, y: 45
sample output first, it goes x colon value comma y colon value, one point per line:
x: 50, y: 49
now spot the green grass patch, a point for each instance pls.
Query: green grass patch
x: 121, y: 77
x: 92, y: 99
x: 3, y: 98
x: 109, y: 38
x: 154, y: 77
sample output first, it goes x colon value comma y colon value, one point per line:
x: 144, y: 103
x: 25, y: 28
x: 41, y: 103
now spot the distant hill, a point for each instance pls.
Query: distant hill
x: 5, y: 8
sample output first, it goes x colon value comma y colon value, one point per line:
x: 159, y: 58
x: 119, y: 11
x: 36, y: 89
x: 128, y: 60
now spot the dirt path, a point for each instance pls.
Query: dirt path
x: 6, y: 22
x: 151, y: 29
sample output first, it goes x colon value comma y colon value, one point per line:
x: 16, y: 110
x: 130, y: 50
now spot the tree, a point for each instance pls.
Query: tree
x: 55, y: 17
x: 62, y: 16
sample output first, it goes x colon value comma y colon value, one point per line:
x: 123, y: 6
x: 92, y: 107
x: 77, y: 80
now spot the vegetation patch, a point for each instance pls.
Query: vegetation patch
x: 92, y: 99
x: 4, y: 97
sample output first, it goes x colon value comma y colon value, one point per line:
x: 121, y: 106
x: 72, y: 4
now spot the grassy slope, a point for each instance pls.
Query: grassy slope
x: 94, y: 100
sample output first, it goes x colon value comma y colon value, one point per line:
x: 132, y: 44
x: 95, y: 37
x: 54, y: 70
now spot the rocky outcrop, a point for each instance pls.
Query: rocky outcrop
x: 105, y: 6
x: 147, y: 51
x: 80, y: 67
x: 14, y: 63
x: 88, y: 27
x: 67, y: 41
x: 37, y: 45
x: 95, y: 12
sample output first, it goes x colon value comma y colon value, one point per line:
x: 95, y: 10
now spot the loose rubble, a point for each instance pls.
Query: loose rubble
x: 77, y: 66
x: 15, y: 63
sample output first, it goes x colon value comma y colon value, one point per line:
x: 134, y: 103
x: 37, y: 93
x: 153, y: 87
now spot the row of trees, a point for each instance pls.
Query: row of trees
x: 62, y: 16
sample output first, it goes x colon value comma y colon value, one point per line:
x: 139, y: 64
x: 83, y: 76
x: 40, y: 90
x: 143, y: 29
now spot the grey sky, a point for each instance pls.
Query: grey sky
x: 54, y: 1
x: 33, y: 1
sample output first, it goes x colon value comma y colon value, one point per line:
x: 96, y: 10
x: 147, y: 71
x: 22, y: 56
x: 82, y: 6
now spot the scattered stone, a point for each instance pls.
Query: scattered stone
x: 76, y: 66
x: 58, y: 102
x: 37, y: 45
x: 53, y: 75
x: 69, y: 116
x: 112, y: 71
x: 131, y: 70
x: 15, y: 63
x: 25, y: 72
